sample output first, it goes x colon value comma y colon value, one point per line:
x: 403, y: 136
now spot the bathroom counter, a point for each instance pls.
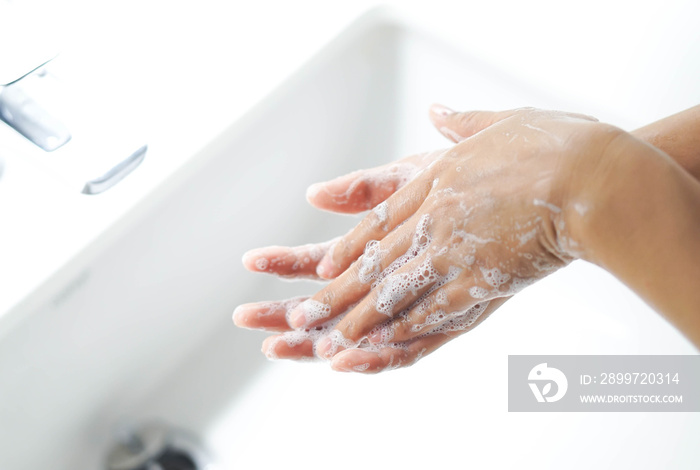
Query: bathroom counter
x: 187, y: 72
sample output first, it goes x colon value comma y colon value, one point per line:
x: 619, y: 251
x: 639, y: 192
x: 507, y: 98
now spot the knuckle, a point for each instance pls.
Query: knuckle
x: 373, y: 222
x: 442, y: 260
x: 327, y: 296
x: 466, y: 119
x: 402, y: 330
x: 351, y: 329
x: 342, y: 249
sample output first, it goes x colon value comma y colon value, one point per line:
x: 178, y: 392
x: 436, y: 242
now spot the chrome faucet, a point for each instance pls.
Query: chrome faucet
x: 62, y: 130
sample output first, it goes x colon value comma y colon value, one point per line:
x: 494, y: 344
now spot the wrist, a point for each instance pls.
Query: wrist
x: 642, y: 227
x: 614, y: 197
x: 589, y: 179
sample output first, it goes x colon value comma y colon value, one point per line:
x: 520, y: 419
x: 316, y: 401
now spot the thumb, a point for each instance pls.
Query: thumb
x: 458, y: 126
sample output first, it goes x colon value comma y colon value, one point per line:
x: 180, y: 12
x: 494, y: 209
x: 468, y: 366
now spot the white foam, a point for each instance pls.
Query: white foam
x: 421, y: 241
x: 494, y: 277
x: 401, y: 346
x: 526, y: 237
x: 370, y: 262
x: 544, y: 265
x: 462, y: 320
x: 314, y: 310
x: 262, y: 264
x: 297, y: 337
x: 471, y: 238
x: 338, y: 341
x: 478, y: 292
x: 436, y: 317
x: 381, y: 210
x: 394, y: 288
x: 291, y: 338
x: 397, y: 286
x: 581, y: 208
x: 551, y: 207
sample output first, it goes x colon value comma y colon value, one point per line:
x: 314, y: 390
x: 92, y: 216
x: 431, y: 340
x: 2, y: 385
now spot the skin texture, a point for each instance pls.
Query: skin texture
x: 679, y: 136
x: 455, y: 233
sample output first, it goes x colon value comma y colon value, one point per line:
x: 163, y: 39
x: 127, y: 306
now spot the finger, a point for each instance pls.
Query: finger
x: 395, y: 293
x: 375, y: 358
x: 375, y: 226
x: 298, y: 262
x: 364, y: 189
x: 270, y: 316
x: 354, y: 283
x: 369, y: 361
x: 297, y: 345
x: 459, y: 126
x: 441, y: 304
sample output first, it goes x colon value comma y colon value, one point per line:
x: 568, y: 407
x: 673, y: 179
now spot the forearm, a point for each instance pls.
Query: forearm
x: 678, y: 136
x: 644, y: 227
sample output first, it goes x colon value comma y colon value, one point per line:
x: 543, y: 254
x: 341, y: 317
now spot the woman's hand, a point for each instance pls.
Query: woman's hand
x: 480, y: 222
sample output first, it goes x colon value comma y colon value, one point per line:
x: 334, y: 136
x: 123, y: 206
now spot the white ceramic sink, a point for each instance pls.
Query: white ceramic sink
x: 140, y: 330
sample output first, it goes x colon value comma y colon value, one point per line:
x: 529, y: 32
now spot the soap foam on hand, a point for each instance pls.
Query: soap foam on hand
x: 395, y: 288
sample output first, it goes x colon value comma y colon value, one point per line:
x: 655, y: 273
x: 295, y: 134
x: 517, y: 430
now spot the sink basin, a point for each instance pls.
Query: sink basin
x: 138, y: 327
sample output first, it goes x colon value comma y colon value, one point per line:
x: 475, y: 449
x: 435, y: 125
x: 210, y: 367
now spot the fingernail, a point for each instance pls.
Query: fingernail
x: 268, y: 347
x: 339, y: 366
x: 375, y: 337
x: 297, y: 319
x: 323, y: 348
x: 247, y: 257
x: 325, y: 268
x: 237, y: 313
x: 313, y: 190
x: 254, y: 261
x: 382, y: 334
x: 441, y: 110
x: 351, y: 360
